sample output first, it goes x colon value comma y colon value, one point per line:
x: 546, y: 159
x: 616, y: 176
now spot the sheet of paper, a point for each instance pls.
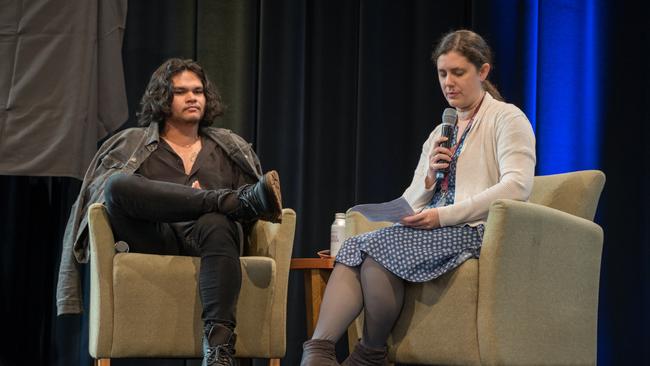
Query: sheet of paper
x: 392, y: 211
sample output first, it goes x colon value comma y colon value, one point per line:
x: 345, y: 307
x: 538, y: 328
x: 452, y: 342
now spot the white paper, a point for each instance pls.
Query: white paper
x: 392, y: 211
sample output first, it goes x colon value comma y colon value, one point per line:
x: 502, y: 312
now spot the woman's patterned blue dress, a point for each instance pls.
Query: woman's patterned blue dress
x: 419, y: 255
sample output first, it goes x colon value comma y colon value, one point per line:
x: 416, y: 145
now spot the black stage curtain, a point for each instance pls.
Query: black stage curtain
x: 624, y: 212
x: 338, y: 96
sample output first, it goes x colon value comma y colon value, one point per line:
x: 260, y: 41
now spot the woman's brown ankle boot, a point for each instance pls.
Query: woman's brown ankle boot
x: 367, y: 356
x: 319, y: 352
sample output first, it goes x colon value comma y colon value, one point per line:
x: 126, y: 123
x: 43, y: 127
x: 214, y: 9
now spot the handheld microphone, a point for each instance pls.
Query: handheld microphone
x: 448, y: 124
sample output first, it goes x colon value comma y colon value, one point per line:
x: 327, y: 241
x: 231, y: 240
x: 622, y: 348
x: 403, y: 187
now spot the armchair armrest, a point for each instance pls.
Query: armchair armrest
x: 356, y: 223
x: 538, y: 286
x: 276, y: 241
x: 273, y: 240
x: 102, y: 251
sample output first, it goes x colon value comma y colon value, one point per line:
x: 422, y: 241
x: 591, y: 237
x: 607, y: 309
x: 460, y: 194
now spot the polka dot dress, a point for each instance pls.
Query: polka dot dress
x: 418, y: 255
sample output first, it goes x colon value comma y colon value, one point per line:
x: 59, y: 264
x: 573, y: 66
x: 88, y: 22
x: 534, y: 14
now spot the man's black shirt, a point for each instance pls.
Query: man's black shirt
x: 212, y: 168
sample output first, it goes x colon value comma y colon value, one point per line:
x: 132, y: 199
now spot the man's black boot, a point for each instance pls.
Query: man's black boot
x: 218, y: 345
x: 262, y: 200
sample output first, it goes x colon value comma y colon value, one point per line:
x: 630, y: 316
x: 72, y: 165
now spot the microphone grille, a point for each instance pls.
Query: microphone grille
x: 449, y: 116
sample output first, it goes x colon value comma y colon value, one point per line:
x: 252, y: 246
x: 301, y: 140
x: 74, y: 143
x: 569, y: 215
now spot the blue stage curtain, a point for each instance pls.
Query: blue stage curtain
x: 547, y: 62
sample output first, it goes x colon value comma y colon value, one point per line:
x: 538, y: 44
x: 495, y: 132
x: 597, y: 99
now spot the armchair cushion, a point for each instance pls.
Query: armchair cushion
x: 156, y: 298
x: 450, y: 303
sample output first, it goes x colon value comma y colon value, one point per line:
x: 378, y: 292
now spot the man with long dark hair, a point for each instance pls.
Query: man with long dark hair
x: 175, y: 185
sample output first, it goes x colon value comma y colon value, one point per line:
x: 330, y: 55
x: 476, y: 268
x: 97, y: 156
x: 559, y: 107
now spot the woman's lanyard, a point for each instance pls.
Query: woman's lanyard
x: 444, y: 184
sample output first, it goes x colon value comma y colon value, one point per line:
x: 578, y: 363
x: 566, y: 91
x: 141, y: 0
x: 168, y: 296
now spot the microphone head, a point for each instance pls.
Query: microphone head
x: 449, y: 116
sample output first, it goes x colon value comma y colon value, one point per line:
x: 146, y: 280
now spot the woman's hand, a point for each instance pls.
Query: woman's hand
x: 439, y: 158
x: 427, y: 219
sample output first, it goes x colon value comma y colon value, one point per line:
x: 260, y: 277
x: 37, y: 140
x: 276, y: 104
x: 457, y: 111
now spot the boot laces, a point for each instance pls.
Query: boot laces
x: 220, y: 355
x: 249, y: 199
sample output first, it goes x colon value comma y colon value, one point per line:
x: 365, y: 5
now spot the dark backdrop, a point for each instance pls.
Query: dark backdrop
x: 338, y: 96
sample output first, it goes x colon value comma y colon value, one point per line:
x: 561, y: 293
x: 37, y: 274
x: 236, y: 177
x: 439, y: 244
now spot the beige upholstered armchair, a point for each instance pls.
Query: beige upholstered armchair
x: 530, y: 299
x: 144, y: 305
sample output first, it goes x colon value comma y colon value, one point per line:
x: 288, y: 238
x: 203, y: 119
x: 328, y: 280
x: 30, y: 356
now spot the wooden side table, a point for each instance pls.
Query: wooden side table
x: 317, y: 272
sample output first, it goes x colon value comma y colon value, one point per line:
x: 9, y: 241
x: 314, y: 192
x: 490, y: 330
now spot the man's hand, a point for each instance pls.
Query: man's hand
x: 196, y: 184
x: 427, y: 219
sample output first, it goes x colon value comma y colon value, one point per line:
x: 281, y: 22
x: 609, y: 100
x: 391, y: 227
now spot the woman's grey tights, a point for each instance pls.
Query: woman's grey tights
x: 369, y: 286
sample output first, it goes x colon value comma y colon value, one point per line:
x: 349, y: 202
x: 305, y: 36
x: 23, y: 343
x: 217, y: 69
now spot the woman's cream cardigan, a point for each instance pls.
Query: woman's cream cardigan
x: 497, y: 161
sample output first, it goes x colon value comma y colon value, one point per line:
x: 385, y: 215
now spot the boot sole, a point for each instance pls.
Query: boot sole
x: 272, y: 187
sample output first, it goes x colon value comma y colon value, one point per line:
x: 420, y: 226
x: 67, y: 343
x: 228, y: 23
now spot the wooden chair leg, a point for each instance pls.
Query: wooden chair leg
x: 274, y: 362
x: 102, y: 362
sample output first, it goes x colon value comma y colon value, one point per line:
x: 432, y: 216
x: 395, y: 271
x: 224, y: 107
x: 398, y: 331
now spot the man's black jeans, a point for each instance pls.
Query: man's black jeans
x: 166, y: 218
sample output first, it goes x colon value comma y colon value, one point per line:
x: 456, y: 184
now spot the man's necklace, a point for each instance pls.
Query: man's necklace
x: 185, y: 146
x: 193, y: 156
x: 194, y: 153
